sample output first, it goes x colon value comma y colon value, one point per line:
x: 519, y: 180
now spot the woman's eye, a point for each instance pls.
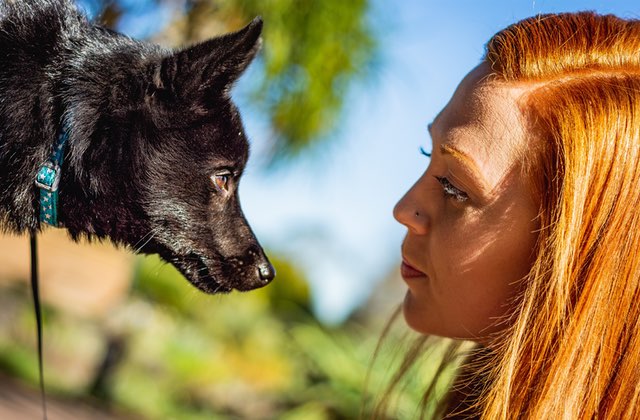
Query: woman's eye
x: 452, y: 192
x: 221, y: 181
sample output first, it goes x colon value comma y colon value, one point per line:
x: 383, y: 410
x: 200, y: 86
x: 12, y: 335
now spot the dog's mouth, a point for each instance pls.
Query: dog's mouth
x: 194, y: 268
x: 217, y: 274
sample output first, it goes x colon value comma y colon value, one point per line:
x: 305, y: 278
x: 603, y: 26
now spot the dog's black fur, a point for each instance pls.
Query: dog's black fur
x: 149, y: 128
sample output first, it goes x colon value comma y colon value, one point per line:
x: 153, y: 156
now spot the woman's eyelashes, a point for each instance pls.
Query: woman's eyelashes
x: 450, y: 191
x: 424, y: 152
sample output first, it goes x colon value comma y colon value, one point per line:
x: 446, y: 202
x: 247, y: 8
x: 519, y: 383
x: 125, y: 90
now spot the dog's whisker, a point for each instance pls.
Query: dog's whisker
x: 135, y: 246
x: 144, y: 244
x: 147, y: 238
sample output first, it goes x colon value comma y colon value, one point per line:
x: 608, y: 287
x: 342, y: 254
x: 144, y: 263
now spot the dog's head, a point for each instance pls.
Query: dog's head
x: 193, y: 170
x: 164, y: 161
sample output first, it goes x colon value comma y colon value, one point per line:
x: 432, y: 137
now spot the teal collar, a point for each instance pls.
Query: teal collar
x: 48, y: 180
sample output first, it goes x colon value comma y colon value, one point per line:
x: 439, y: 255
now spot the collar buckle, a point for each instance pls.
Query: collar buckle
x: 48, y: 177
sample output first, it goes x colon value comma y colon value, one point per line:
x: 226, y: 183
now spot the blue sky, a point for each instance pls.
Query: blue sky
x: 337, y: 221
x: 331, y: 211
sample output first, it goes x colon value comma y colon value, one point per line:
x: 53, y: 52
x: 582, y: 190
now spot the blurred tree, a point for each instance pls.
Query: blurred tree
x: 313, y: 52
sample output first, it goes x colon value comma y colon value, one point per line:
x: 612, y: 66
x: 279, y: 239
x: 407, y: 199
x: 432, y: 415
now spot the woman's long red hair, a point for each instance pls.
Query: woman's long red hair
x: 574, y: 350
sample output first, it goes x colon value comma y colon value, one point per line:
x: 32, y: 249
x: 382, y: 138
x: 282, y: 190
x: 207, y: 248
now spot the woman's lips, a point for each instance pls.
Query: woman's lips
x: 409, y: 272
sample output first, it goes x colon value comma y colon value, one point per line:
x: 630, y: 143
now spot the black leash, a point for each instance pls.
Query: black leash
x: 36, y: 304
x: 47, y: 181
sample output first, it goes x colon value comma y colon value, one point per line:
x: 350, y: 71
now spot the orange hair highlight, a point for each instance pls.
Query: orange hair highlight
x: 574, y: 349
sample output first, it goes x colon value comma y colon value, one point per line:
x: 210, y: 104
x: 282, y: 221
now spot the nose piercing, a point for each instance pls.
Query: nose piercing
x: 417, y: 214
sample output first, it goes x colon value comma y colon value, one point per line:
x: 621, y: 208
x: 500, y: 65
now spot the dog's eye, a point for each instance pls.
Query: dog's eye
x: 221, y: 181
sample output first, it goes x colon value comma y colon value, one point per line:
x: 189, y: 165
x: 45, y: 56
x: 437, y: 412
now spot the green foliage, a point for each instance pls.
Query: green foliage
x: 18, y: 354
x: 193, y: 356
x: 313, y: 51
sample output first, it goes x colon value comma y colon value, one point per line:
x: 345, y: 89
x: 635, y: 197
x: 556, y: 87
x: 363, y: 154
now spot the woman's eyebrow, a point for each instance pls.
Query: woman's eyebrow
x: 467, y: 163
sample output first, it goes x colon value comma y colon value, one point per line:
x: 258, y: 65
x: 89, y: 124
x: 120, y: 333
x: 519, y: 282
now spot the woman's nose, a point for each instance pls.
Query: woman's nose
x: 410, y: 212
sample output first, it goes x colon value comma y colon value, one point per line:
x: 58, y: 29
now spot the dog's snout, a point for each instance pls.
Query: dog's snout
x: 266, y: 271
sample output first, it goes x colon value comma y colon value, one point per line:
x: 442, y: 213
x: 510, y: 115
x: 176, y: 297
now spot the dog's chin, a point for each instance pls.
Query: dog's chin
x: 194, y: 269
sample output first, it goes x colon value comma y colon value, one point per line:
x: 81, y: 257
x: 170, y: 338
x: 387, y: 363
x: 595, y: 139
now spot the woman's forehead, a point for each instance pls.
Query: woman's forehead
x: 483, y: 120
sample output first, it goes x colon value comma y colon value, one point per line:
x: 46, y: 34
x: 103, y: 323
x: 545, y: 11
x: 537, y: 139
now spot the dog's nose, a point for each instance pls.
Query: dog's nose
x: 267, y: 272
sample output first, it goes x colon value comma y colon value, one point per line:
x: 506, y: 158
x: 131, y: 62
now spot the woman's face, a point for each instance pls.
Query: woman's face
x: 471, y: 219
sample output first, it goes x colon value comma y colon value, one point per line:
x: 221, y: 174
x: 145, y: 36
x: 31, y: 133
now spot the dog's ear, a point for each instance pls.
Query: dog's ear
x: 206, y: 71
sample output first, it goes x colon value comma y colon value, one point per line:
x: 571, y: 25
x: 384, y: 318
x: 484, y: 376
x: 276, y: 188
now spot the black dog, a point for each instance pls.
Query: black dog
x: 155, y: 147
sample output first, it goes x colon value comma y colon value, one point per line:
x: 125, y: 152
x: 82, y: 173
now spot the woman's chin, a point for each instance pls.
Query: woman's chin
x: 415, y: 314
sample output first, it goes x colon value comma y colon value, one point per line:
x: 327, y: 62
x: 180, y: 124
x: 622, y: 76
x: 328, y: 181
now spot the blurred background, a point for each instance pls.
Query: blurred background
x: 336, y: 108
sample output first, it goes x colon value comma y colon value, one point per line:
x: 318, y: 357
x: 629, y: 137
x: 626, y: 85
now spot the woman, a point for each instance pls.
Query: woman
x: 524, y: 232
